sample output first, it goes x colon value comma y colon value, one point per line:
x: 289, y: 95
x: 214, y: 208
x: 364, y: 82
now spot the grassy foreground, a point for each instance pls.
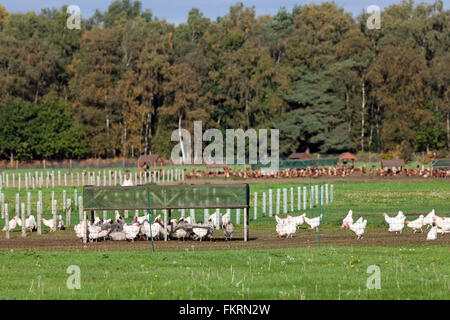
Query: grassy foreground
x: 327, y: 273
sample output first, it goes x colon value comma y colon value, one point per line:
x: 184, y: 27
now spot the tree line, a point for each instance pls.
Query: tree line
x: 122, y: 83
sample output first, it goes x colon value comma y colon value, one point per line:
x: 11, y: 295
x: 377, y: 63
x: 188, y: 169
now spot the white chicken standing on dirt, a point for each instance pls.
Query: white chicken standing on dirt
x: 417, y: 224
x: 298, y: 220
x: 397, y: 223
x: 348, y: 219
x: 358, y: 227
x: 12, y: 224
x: 285, y: 227
x: 131, y: 231
x: 313, y: 222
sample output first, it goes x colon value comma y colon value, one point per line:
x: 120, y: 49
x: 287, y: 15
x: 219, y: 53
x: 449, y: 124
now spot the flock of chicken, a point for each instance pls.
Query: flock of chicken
x: 439, y: 225
x: 141, y: 228
x: 31, y: 225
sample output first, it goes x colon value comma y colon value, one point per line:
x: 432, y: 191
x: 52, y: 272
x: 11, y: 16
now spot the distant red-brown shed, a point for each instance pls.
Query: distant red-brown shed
x: 299, y: 156
x: 347, y: 156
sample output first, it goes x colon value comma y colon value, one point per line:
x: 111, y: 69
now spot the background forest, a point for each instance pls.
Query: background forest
x: 126, y: 80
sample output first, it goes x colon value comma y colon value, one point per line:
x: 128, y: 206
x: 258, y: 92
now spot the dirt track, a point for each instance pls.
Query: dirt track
x: 260, y: 238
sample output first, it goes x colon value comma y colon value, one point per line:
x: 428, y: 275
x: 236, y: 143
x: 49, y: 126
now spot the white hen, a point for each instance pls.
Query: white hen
x: 131, y: 231
x: 358, y: 227
x: 396, y: 224
x: 12, y: 225
x: 348, y: 219
x: 417, y: 224
x: 313, y: 222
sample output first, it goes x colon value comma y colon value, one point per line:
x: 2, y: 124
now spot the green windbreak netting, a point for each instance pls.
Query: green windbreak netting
x: 299, y: 163
x: 441, y: 163
x: 166, y: 197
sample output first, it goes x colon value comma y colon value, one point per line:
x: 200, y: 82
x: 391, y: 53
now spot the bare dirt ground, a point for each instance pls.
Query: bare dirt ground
x: 260, y: 238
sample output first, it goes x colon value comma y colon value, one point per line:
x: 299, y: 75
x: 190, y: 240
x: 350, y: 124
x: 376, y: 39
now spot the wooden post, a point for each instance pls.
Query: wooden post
x: 192, y: 215
x: 39, y: 214
x: 264, y: 204
x: 316, y: 193
x: 24, y: 232
x: 245, y: 224
x: 292, y: 199
x: 75, y: 197
x: 165, y: 225
x: 68, y: 211
x: 80, y: 209
x: 54, y: 214
x: 255, y: 208
x: 7, y: 222
x: 238, y: 216
x: 217, y: 219
x: 2, y: 199
x: 28, y: 204
x: 64, y: 201
x: 17, y: 206
x: 278, y: 201
x: 270, y: 203
x: 331, y: 193
x: 299, y: 196
x: 304, y: 198
x: 284, y: 200
x: 83, y: 219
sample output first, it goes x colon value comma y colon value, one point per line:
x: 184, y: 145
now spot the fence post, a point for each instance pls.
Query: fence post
x: 284, y: 200
x: 292, y: 199
x: 270, y: 203
x: 264, y: 204
x: 7, y: 221
x: 39, y: 216
x: 238, y: 216
x: 24, y: 232
x: 165, y: 225
x: 2, y: 199
x: 278, y: 201
x: 205, y: 215
x: 64, y: 201
x: 54, y: 214
x: 80, y: 209
x: 245, y: 224
x: 331, y: 193
x: 17, y: 206
x: 192, y: 215
x: 326, y: 193
x: 317, y: 193
x: 29, y: 203
x: 299, y: 196
x: 255, y: 208
x: 68, y: 211
x: 218, y: 219
x: 85, y: 234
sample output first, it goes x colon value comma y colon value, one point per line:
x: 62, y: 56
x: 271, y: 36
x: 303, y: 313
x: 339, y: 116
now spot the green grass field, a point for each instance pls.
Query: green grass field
x: 325, y: 273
